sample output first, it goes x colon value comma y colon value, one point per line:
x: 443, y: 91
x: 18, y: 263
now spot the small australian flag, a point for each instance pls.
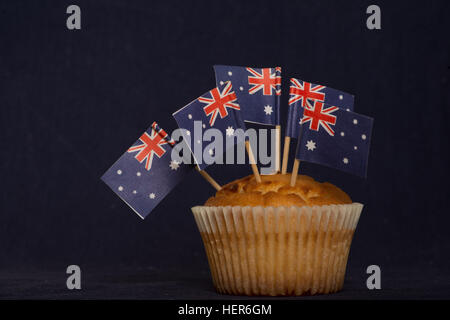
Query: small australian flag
x: 335, y: 137
x: 145, y: 173
x: 217, y: 108
x: 304, y: 93
x: 258, y: 91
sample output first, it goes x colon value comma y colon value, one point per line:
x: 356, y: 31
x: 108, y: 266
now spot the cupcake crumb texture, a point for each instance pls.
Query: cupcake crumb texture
x: 275, y: 190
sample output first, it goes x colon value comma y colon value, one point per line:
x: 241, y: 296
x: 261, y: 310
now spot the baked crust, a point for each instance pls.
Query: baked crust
x: 275, y: 190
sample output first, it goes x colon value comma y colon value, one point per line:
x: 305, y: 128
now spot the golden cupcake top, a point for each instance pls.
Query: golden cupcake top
x: 276, y: 191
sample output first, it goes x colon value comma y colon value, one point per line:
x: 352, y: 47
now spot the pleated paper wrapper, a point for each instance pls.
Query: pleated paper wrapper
x: 277, y: 250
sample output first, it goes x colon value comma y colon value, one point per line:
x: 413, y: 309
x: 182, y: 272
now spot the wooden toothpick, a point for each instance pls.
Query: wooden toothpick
x: 277, y: 147
x: 209, y: 179
x: 252, y: 160
x: 295, y: 172
x: 287, y: 142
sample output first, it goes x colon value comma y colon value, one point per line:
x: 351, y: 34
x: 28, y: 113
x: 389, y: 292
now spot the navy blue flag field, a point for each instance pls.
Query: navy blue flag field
x: 145, y: 173
x: 217, y: 108
x: 335, y: 137
x: 304, y: 93
x: 258, y: 91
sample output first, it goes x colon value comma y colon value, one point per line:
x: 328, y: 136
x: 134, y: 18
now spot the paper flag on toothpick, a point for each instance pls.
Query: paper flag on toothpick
x: 217, y: 108
x: 336, y: 138
x: 145, y: 173
x: 258, y: 91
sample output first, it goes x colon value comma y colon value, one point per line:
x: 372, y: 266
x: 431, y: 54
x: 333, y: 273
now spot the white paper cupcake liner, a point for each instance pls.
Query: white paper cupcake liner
x: 277, y: 250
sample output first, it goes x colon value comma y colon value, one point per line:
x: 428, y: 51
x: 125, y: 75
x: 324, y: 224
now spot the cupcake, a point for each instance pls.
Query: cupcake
x: 272, y: 239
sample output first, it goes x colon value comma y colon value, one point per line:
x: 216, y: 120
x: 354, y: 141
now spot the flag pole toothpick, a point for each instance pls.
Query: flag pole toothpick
x: 208, y: 178
x: 295, y: 172
x: 252, y: 160
x: 287, y: 142
x: 277, y: 147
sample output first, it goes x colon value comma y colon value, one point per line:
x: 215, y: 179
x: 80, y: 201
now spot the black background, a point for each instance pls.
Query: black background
x: 73, y: 101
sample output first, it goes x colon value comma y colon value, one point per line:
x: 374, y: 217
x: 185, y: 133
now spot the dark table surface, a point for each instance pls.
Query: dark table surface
x: 149, y: 283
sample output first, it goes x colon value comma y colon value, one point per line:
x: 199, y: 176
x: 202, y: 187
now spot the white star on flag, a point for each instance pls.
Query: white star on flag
x: 310, y: 145
x: 174, y: 165
x: 268, y: 110
x: 230, y: 131
x: 152, y: 196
